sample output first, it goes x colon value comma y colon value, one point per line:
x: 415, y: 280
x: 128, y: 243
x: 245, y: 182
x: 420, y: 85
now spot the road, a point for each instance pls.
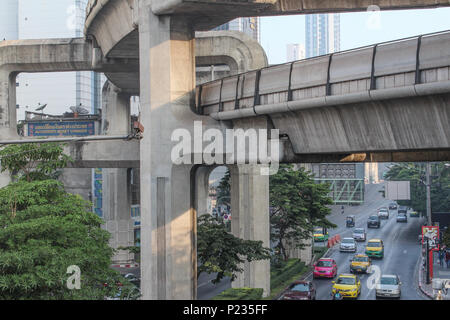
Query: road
x: 206, y: 290
x: 402, y: 249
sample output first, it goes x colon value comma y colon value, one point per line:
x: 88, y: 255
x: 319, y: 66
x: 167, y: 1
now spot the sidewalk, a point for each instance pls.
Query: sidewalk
x: 438, y: 272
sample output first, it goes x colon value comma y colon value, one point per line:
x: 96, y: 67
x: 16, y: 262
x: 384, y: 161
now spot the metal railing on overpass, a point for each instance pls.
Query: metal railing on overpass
x: 410, y: 66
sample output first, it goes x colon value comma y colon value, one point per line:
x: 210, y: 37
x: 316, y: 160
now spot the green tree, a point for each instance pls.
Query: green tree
x: 44, y: 230
x: 298, y: 204
x: 446, y: 238
x: 415, y: 173
x: 223, y: 189
x: 34, y: 161
x: 218, y: 251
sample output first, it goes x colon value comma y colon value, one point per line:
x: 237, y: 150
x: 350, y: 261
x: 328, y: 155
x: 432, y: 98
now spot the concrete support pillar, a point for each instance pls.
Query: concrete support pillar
x: 8, y: 117
x: 305, y: 254
x: 167, y: 84
x: 116, y: 208
x: 202, y: 189
x: 116, y: 182
x: 115, y: 110
x: 8, y: 113
x: 250, y: 221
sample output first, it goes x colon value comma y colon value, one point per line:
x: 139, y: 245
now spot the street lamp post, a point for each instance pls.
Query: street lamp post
x: 428, y: 185
x: 428, y: 259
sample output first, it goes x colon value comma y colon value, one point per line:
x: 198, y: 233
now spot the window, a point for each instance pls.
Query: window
x: 135, y: 187
x: 301, y: 287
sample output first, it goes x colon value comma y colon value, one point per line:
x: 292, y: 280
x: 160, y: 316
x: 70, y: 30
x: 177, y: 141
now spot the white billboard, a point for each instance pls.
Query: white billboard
x: 397, y: 190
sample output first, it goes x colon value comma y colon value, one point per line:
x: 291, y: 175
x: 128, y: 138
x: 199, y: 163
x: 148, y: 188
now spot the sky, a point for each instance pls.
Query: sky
x: 357, y: 29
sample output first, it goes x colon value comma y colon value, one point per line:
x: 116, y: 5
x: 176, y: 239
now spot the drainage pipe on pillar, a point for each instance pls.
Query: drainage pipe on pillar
x: 90, y: 138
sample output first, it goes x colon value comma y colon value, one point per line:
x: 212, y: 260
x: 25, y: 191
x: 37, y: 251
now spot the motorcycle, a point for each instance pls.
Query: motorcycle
x: 337, y: 296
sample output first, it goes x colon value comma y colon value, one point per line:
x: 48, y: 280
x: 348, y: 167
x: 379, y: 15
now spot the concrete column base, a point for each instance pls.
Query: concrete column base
x: 250, y: 221
x: 122, y: 235
x: 117, y: 212
x: 304, y: 254
x: 5, y: 179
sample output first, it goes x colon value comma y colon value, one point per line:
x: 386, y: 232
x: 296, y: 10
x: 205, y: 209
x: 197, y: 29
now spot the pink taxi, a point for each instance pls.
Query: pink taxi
x: 325, y: 268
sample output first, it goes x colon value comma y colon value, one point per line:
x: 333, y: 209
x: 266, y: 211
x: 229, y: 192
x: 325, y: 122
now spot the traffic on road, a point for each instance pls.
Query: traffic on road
x: 377, y: 257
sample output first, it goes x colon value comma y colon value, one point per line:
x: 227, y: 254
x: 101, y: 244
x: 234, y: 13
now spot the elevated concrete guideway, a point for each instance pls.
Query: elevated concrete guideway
x: 392, y: 96
x: 207, y: 14
x: 160, y: 34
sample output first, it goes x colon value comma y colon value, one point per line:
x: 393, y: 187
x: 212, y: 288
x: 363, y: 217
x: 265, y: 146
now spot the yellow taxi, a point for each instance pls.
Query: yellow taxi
x: 320, y: 234
x: 360, y: 263
x: 375, y: 248
x: 349, y: 286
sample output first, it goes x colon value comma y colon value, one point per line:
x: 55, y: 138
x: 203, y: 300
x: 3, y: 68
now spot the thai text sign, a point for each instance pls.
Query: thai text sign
x: 61, y: 128
x: 432, y: 233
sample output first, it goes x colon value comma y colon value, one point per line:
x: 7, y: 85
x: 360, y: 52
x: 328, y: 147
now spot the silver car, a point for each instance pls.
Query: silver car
x: 347, y: 245
x: 359, y: 234
x: 383, y: 213
x: 389, y: 286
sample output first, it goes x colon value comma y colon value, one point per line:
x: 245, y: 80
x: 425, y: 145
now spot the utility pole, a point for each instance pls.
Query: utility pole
x: 428, y: 185
x: 428, y: 259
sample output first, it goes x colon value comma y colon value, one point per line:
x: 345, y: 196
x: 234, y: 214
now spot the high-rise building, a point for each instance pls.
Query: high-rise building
x: 250, y: 26
x: 295, y: 51
x: 40, y: 19
x: 322, y: 34
x: 9, y: 20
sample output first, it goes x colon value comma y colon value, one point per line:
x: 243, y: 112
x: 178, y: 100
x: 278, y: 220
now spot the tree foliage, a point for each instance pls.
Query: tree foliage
x: 218, y: 251
x: 298, y: 204
x: 415, y: 173
x: 44, y: 230
x: 223, y: 189
x: 34, y: 161
x: 446, y: 238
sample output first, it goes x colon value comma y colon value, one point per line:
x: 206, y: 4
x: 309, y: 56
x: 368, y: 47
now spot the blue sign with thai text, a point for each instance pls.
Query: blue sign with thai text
x: 61, y: 128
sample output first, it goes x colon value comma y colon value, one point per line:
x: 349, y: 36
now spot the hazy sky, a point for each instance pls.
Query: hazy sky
x: 357, y: 29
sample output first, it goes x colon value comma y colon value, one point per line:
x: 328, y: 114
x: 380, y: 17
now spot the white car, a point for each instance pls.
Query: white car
x: 348, y: 245
x: 388, y: 286
x: 359, y: 234
x: 383, y: 213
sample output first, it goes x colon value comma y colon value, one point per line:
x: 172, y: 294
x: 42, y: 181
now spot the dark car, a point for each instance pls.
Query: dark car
x: 402, y: 210
x: 300, y: 290
x: 401, y: 217
x: 133, y: 279
x: 350, y: 222
x: 392, y: 206
x: 373, y: 221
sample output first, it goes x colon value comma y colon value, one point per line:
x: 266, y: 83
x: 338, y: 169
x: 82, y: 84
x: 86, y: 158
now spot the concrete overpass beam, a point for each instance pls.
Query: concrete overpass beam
x: 250, y: 221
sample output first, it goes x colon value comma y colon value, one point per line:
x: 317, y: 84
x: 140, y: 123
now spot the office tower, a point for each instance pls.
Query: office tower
x: 9, y: 20
x: 250, y: 26
x: 322, y: 34
x: 295, y: 51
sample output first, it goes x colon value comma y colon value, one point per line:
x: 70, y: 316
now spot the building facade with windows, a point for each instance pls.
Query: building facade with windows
x: 295, y: 51
x: 248, y: 25
x: 323, y: 34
